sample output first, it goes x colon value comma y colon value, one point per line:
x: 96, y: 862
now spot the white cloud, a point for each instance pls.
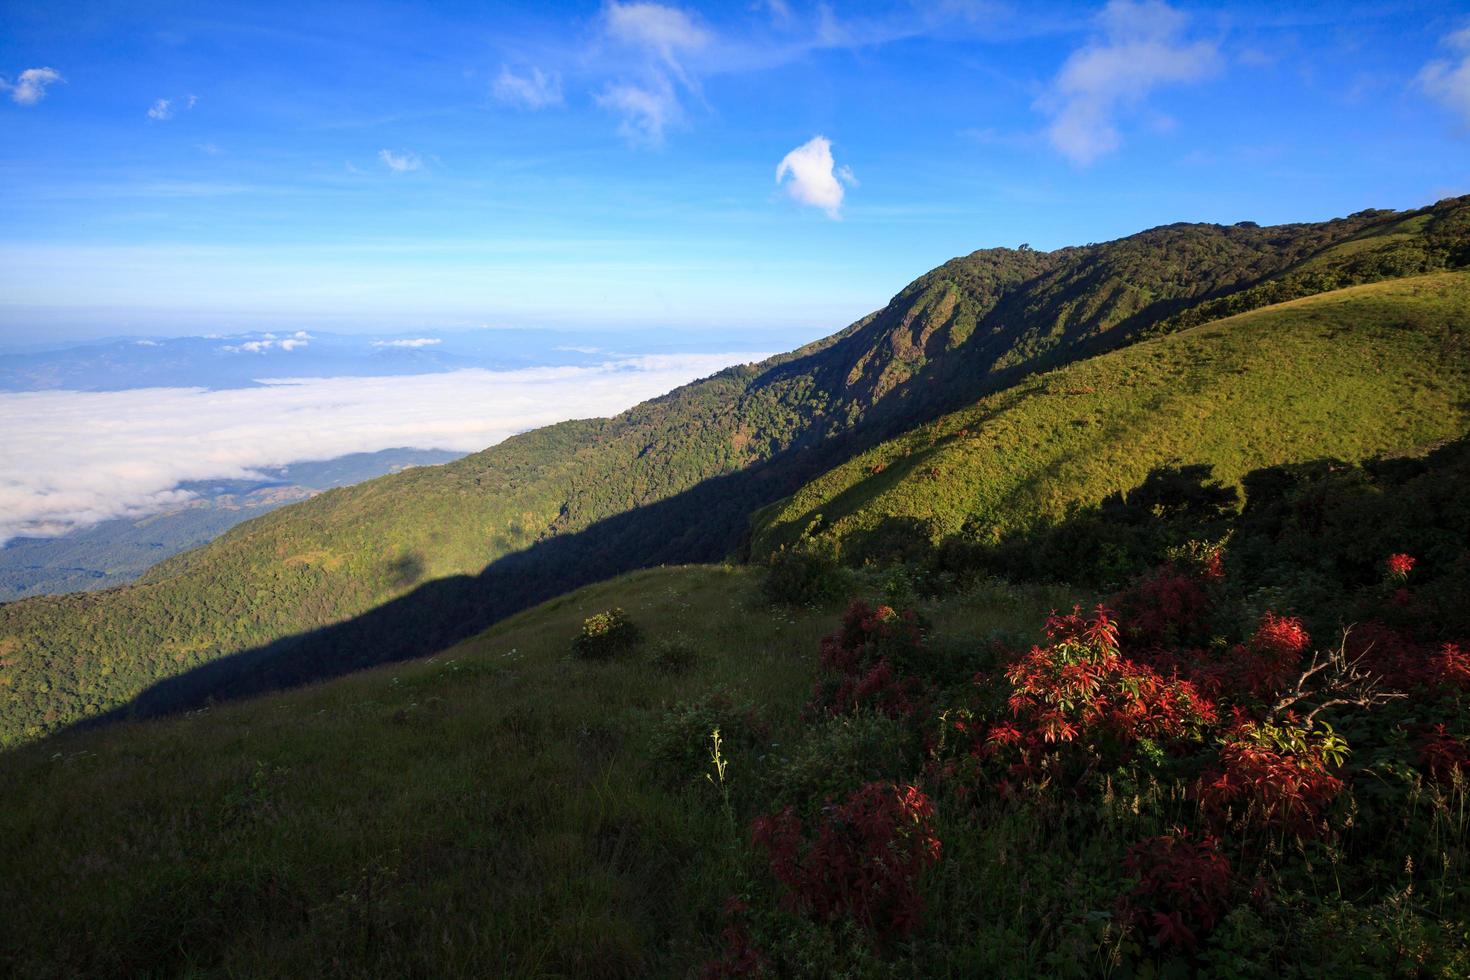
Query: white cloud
x: 812, y: 177
x: 193, y: 101
x: 400, y: 163
x: 412, y: 343
x: 69, y: 459
x: 30, y: 85
x: 147, y: 343
x: 1448, y: 80
x: 658, y: 40
x: 269, y: 342
x: 667, y: 31
x: 1140, y: 47
x: 535, y: 90
x: 161, y: 110
x: 210, y: 148
x: 647, y: 110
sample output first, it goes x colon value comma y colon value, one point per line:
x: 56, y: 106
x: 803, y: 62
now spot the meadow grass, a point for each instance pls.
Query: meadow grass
x: 494, y: 808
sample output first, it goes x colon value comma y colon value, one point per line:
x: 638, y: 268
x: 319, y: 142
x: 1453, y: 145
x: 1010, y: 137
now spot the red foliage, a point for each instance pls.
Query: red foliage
x: 865, y: 863
x: 1398, y: 566
x: 1261, y: 781
x: 1406, y: 664
x: 1274, y: 654
x: 1166, y: 607
x: 861, y: 654
x: 1078, y: 687
x: 1443, y: 755
x: 1183, y: 889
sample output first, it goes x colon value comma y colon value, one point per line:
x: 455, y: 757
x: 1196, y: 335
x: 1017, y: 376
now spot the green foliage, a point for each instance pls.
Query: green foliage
x: 839, y: 754
x: 606, y: 635
x: 680, y: 745
x: 803, y: 576
x: 673, y: 655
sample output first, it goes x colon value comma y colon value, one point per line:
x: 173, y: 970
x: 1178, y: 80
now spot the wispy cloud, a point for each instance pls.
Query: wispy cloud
x: 69, y: 459
x: 656, y: 41
x: 811, y: 177
x: 1448, y: 79
x: 30, y: 85
x: 1140, y: 46
x: 161, y: 110
x: 411, y: 343
x: 533, y: 90
x: 400, y: 163
x: 647, y: 109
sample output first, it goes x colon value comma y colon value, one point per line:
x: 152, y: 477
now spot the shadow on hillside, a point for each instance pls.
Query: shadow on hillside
x: 705, y: 523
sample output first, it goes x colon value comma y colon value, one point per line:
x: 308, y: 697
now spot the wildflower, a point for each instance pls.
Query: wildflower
x: 1399, y: 566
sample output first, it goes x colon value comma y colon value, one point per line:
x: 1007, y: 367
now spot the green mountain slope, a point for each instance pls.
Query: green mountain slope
x: 1345, y: 374
x: 411, y: 563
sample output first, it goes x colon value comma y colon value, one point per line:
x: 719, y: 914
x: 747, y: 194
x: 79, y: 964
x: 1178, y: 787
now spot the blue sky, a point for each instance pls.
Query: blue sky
x: 167, y: 168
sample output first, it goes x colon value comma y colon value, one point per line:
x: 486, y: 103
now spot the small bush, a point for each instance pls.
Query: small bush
x: 840, y: 755
x: 803, y: 577
x: 680, y: 746
x: 674, y: 655
x: 606, y: 635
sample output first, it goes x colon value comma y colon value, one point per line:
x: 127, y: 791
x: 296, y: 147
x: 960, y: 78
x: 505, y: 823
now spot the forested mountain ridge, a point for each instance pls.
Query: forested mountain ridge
x: 1344, y: 374
x: 673, y: 479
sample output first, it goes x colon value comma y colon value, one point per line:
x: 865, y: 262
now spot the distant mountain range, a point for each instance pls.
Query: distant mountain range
x: 1247, y: 346
x: 118, y: 551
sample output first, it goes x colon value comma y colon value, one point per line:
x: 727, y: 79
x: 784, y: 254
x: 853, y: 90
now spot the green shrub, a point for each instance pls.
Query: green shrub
x: 606, y: 635
x: 803, y: 577
x: 674, y: 655
x: 841, y: 754
x: 680, y: 745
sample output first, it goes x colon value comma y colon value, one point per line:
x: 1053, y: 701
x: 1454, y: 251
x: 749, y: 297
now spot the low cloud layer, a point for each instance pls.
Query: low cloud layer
x: 811, y: 178
x: 409, y: 343
x: 70, y: 459
x: 269, y: 341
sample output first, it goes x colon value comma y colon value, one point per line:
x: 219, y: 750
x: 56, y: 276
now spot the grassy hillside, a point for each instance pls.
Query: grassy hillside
x: 1171, y: 788
x: 1346, y: 374
x: 409, y: 564
x: 499, y: 806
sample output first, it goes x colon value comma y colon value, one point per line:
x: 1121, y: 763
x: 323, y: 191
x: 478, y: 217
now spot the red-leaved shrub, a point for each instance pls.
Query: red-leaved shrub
x: 1443, y: 755
x: 1183, y: 889
x: 1274, y: 777
x: 865, y: 862
x: 866, y: 655
x: 1078, y: 687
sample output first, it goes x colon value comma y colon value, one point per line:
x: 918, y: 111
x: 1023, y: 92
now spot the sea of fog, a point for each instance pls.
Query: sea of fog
x: 72, y: 458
